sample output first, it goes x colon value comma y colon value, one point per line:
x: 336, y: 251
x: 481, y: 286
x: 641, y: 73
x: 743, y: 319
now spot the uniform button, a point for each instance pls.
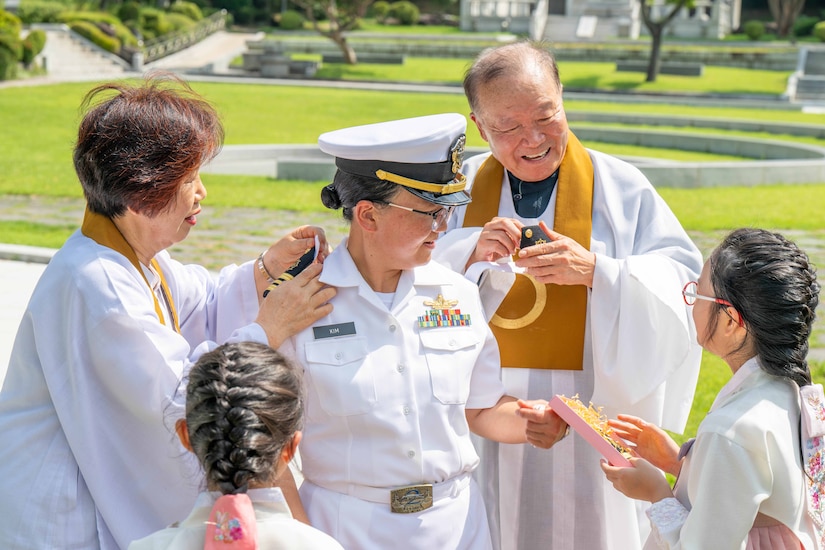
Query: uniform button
x: 452, y: 343
x: 400, y: 367
x: 411, y: 454
x: 392, y: 328
x: 339, y: 355
x: 406, y: 410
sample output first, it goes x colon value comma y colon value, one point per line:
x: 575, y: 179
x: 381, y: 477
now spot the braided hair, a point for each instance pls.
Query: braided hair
x: 244, y: 403
x: 772, y: 284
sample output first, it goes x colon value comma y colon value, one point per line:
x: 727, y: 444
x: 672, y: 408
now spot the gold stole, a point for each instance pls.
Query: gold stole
x: 105, y: 233
x: 542, y: 326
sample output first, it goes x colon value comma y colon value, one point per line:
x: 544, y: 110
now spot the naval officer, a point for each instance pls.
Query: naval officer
x: 405, y: 367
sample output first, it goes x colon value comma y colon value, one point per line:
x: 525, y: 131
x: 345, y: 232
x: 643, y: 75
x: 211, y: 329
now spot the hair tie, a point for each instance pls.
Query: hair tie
x: 232, y: 524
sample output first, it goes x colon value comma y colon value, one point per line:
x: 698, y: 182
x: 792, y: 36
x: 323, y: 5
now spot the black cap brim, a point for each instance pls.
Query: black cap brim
x: 458, y: 198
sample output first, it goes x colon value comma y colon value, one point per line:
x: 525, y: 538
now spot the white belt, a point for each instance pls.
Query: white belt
x: 384, y: 495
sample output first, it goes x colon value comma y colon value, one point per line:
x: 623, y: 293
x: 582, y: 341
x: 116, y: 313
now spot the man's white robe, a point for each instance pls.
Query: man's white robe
x: 640, y: 358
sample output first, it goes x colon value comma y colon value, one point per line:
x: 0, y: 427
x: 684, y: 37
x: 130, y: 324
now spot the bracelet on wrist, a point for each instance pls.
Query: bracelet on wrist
x: 262, y: 268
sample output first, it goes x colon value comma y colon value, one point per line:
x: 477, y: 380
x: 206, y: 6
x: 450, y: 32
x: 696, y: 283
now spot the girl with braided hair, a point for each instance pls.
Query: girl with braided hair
x: 244, y: 411
x: 754, y: 476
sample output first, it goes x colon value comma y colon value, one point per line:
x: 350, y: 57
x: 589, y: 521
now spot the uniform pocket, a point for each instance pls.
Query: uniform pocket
x: 342, y: 375
x: 451, y: 355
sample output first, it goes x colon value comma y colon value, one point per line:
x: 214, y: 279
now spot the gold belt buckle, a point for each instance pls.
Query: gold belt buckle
x: 413, y: 498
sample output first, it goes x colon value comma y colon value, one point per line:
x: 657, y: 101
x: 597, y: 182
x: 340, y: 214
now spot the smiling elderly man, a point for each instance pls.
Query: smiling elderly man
x: 594, y: 309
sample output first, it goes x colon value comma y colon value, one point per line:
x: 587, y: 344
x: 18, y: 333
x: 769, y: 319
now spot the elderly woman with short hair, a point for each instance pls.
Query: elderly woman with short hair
x: 114, y: 323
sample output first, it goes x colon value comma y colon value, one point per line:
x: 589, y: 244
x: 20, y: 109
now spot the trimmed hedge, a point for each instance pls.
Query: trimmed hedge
x: 754, y: 29
x: 129, y: 11
x: 291, y: 20
x: 179, y: 22
x: 8, y: 64
x: 10, y: 24
x: 33, y: 44
x: 405, y: 11
x: 189, y: 9
x: 819, y: 31
x: 153, y: 23
x: 40, y: 11
x: 92, y: 32
x: 380, y: 9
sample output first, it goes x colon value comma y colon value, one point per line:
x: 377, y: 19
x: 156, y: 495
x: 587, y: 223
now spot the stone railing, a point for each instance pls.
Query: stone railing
x: 169, y: 44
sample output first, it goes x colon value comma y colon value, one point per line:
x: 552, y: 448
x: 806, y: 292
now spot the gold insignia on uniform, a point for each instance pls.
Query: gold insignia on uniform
x: 457, y: 153
x: 528, y: 233
x: 540, y: 241
x: 440, y: 303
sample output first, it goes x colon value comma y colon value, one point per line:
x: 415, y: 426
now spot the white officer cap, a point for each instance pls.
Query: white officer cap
x: 424, y: 154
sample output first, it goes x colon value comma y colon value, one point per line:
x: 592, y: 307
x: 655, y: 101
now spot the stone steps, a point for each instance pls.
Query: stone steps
x: 815, y: 62
x: 68, y: 55
x: 810, y: 87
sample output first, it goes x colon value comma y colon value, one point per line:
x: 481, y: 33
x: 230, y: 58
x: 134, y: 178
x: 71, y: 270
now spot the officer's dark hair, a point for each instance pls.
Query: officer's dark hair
x: 772, y: 284
x: 244, y: 403
x: 347, y: 190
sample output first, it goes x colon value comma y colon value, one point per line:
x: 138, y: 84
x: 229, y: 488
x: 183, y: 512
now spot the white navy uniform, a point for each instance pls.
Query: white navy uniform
x: 386, y: 408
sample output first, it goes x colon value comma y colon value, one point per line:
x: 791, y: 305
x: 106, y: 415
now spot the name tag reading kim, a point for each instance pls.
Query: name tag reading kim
x: 331, y: 331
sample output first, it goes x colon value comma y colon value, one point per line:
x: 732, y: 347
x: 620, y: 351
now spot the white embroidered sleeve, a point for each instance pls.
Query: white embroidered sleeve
x: 666, y: 519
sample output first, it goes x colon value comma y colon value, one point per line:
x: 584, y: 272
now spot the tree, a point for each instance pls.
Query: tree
x: 656, y: 28
x: 785, y: 12
x: 342, y: 16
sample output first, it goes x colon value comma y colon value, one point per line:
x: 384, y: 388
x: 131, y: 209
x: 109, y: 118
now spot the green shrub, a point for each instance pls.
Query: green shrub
x: 129, y: 11
x: 88, y: 16
x: 804, y: 25
x: 125, y: 35
x: 189, y: 9
x: 179, y: 22
x: 12, y: 44
x: 92, y: 32
x: 819, y: 31
x: 8, y: 64
x: 405, y: 11
x: 380, y: 9
x: 10, y: 24
x: 37, y: 11
x: 32, y: 45
x: 291, y: 20
x: 754, y: 29
x: 153, y: 23
x: 38, y: 39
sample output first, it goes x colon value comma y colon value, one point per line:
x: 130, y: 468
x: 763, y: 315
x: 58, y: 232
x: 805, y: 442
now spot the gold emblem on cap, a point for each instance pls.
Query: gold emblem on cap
x: 440, y: 303
x: 457, y: 153
x: 528, y: 233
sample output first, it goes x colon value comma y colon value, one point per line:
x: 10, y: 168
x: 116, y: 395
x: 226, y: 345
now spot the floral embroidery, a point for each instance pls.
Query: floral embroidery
x: 818, y: 407
x: 815, y: 468
x: 227, y: 530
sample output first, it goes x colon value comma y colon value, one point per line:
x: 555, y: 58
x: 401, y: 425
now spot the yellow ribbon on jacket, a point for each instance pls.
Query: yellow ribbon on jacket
x: 542, y: 326
x: 104, y: 232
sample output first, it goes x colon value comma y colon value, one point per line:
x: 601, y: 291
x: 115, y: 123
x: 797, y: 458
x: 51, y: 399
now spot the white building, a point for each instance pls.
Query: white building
x: 570, y: 20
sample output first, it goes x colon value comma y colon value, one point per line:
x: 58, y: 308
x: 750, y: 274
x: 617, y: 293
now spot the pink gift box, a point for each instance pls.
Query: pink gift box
x: 599, y: 442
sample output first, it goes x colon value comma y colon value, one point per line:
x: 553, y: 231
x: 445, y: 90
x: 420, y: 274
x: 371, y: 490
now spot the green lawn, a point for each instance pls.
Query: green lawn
x: 574, y: 75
